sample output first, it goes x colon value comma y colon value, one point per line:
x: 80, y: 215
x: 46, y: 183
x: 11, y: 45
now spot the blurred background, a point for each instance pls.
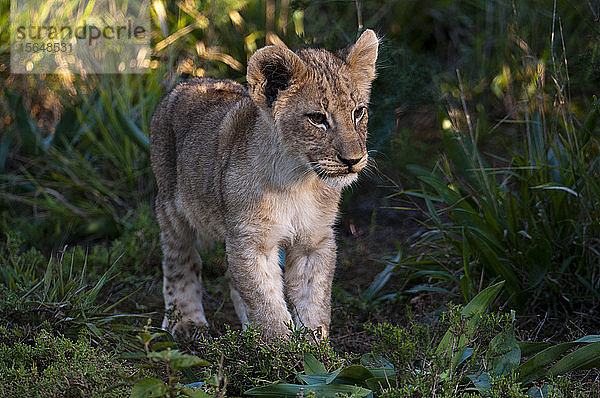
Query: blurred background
x: 483, y: 130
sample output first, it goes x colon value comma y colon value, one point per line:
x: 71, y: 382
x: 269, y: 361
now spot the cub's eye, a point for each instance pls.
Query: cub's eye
x: 359, y: 113
x: 318, y: 120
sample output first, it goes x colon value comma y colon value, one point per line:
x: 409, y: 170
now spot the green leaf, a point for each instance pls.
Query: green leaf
x: 481, y: 381
x: 132, y: 130
x: 187, y: 361
x: 94, y: 329
x: 354, y: 374
x: 466, y: 354
x: 378, y: 384
x: 163, y: 345
x: 465, y: 282
x: 426, y: 288
x: 321, y: 390
x: 505, y: 352
x: 480, y: 303
x: 588, y: 285
x: 156, y: 335
x: 384, y: 372
x: 583, y: 358
x: 529, y: 348
x: 590, y: 338
x: 540, y: 256
x: 378, y: 362
x: 133, y: 355
x: 379, y: 282
x: 550, y: 186
x: 48, y: 277
x: 533, y: 368
x: 66, y: 128
x: 150, y: 387
x: 490, y: 258
x: 444, y: 346
x: 312, y: 365
x: 88, y: 10
x: 461, y: 350
x: 438, y: 274
x: 315, y: 378
x: 458, y: 150
x: 591, y: 119
x: 473, y: 312
x: 25, y: 127
x: 160, y: 355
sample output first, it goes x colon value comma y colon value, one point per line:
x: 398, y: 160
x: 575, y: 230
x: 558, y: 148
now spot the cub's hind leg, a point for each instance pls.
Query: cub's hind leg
x: 182, y: 271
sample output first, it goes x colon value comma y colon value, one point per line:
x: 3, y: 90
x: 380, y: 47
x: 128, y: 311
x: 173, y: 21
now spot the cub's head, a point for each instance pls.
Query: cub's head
x: 318, y: 102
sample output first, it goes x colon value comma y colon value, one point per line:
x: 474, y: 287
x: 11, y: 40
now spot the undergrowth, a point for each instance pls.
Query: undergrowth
x: 45, y: 364
x: 249, y: 360
x: 514, y: 195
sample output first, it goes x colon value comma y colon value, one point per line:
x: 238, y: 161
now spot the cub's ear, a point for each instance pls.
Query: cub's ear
x: 271, y: 70
x: 363, y: 54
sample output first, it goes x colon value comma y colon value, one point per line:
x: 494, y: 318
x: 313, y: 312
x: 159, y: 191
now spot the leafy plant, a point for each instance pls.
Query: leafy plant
x: 54, y: 320
x: 247, y: 359
x: 353, y: 380
x: 72, y: 292
x: 163, y: 356
x: 476, y: 352
x: 530, y: 218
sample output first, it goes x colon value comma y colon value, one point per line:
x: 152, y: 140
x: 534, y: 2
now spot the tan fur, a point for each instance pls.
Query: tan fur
x: 258, y: 170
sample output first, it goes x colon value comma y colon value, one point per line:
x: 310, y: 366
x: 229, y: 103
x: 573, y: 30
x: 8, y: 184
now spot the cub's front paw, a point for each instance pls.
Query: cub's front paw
x: 273, y: 329
x: 186, y: 327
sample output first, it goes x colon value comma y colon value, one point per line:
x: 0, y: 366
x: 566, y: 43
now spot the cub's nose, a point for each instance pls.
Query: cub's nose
x: 349, y: 161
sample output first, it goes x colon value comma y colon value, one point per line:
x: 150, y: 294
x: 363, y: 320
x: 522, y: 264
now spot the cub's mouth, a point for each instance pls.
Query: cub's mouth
x: 339, y: 172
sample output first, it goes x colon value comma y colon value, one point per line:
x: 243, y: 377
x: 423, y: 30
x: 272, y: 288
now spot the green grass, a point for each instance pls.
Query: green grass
x: 514, y: 194
x: 533, y: 220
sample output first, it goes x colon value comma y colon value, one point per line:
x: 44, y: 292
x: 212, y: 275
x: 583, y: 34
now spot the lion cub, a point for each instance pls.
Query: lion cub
x: 261, y: 169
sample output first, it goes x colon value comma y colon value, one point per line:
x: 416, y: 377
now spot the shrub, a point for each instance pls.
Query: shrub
x: 472, y: 350
x: 52, y: 365
x: 248, y: 359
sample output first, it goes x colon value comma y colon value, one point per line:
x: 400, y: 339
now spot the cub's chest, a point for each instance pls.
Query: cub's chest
x: 298, y: 211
